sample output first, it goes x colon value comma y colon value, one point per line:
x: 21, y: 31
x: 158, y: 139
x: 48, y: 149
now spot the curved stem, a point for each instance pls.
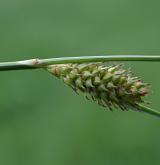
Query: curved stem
x: 40, y: 63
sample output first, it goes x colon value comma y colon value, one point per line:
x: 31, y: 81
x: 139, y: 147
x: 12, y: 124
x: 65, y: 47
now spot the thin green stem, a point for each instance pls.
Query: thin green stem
x: 106, y: 58
x: 18, y: 65
x: 40, y: 63
x: 148, y: 110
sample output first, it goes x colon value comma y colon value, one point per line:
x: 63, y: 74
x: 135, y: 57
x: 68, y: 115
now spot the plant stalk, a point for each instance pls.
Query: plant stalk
x: 40, y: 63
x: 149, y: 110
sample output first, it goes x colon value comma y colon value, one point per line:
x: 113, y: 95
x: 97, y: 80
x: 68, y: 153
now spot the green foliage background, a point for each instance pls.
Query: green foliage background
x: 42, y: 122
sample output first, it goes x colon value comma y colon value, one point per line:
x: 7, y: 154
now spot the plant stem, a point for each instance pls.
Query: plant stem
x: 148, y: 110
x: 40, y: 63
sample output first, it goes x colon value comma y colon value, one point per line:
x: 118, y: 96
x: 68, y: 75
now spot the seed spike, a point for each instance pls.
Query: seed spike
x: 110, y: 86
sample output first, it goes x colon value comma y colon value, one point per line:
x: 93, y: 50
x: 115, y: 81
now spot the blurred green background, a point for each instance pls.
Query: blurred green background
x: 42, y: 122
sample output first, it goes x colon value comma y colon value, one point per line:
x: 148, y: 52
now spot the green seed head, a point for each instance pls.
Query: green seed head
x: 110, y: 86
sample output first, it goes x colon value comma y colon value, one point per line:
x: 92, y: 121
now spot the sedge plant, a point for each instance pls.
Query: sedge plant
x: 111, y: 86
